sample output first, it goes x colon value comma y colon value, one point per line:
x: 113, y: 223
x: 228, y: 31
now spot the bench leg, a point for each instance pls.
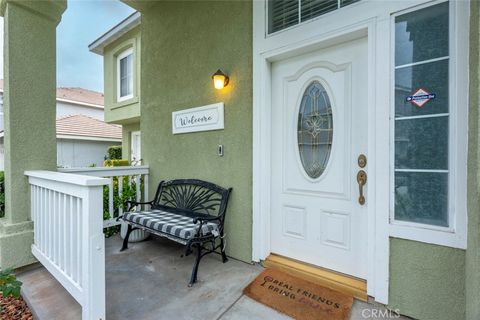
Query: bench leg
x: 193, y: 278
x: 222, y: 248
x: 125, y: 241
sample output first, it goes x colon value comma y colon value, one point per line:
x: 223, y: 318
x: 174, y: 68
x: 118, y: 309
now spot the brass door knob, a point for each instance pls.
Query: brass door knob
x: 362, y: 180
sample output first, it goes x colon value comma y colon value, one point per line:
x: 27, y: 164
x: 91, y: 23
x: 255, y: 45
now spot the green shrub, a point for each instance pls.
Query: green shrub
x: 121, y: 163
x: 116, y: 163
x: 9, y: 285
x: 129, y: 192
x: 114, y: 152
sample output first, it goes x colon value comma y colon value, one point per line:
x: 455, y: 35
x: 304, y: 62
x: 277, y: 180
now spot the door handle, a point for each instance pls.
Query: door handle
x: 362, y: 180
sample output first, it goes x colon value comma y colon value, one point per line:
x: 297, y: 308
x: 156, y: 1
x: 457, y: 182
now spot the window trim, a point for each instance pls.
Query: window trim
x: 455, y: 234
x: 123, y: 54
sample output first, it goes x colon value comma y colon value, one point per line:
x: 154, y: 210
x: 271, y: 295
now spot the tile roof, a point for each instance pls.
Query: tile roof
x: 76, y: 94
x: 80, y: 125
x: 80, y: 95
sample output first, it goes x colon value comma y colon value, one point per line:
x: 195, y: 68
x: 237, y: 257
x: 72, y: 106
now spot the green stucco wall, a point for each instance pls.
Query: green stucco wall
x: 184, y: 43
x: 127, y: 111
x: 127, y: 138
x: 473, y: 247
x: 427, y: 281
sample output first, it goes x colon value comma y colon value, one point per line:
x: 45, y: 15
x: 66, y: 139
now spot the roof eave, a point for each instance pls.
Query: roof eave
x: 87, y: 138
x: 82, y: 103
x: 79, y: 137
x: 116, y: 32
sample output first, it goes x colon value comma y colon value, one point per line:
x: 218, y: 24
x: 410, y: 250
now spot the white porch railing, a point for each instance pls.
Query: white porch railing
x: 134, y: 174
x: 68, y: 234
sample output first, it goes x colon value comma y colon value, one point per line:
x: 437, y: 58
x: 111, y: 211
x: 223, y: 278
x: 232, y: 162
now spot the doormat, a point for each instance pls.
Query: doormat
x: 298, y: 298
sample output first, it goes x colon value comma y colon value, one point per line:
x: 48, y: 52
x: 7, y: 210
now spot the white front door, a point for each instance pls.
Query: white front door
x: 319, y: 129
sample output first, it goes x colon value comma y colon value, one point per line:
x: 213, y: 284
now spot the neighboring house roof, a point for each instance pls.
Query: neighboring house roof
x: 116, y: 32
x: 81, y: 127
x: 76, y: 96
x: 84, y: 96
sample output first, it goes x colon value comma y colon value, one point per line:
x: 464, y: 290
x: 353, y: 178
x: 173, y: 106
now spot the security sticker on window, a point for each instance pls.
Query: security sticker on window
x: 421, y: 97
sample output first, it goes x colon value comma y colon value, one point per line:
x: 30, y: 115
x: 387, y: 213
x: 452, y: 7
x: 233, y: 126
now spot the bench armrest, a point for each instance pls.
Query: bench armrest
x: 204, y: 220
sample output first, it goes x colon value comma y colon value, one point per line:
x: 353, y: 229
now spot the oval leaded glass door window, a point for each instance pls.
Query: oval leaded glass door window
x: 315, y: 129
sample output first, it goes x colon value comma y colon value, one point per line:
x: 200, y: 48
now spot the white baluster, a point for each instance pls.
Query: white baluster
x: 73, y: 238
x: 145, y: 190
x: 110, y: 198
x: 80, y: 235
x: 54, y: 227
x: 120, y: 193
x: 138, y: 195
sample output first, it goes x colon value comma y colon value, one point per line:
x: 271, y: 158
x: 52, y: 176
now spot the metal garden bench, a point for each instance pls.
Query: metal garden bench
x: 187, y: 211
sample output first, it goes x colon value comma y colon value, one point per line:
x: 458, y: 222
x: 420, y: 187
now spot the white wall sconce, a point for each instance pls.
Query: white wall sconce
x: 220, y: 80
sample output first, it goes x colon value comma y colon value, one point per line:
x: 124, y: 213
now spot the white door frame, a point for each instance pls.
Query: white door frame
x: 377, y: 240
x: 365, y: 18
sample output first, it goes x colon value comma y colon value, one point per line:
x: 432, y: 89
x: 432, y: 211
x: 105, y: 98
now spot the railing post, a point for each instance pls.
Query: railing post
x: 93, y: 269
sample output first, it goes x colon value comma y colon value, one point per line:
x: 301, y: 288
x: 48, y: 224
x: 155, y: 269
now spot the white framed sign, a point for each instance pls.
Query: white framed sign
x: 204, y: 118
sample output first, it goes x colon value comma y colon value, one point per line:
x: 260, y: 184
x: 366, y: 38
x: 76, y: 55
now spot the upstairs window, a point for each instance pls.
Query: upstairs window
x: 286, y: 13
x: 125, y: 75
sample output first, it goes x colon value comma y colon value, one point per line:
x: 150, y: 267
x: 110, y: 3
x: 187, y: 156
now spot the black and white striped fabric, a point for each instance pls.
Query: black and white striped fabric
x: 171, y: 225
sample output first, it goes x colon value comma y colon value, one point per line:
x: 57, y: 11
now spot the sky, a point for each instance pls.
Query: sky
x: 82, y: 23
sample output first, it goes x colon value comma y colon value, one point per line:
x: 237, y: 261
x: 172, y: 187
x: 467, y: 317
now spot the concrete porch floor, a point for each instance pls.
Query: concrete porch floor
x: 149, y: 282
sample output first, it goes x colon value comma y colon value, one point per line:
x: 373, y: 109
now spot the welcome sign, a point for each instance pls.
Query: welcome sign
x: 204, y: 118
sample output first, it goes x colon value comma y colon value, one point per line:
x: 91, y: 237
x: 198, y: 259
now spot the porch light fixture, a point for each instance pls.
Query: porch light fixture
x: 220, y: 79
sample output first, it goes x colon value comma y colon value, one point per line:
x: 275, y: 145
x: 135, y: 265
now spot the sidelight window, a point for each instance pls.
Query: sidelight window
x: 429, y: 123
x: 422, y: 116
x: 421, y: 123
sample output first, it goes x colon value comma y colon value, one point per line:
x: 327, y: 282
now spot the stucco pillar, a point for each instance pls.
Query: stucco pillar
x: 29, y: 106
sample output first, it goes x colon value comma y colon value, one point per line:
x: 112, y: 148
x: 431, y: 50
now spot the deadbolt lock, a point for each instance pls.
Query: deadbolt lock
x: 362, y: 180
x: 362, y: 161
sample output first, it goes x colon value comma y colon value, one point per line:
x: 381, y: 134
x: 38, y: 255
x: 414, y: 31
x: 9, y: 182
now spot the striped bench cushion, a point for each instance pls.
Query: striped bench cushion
x: 174, y: 226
